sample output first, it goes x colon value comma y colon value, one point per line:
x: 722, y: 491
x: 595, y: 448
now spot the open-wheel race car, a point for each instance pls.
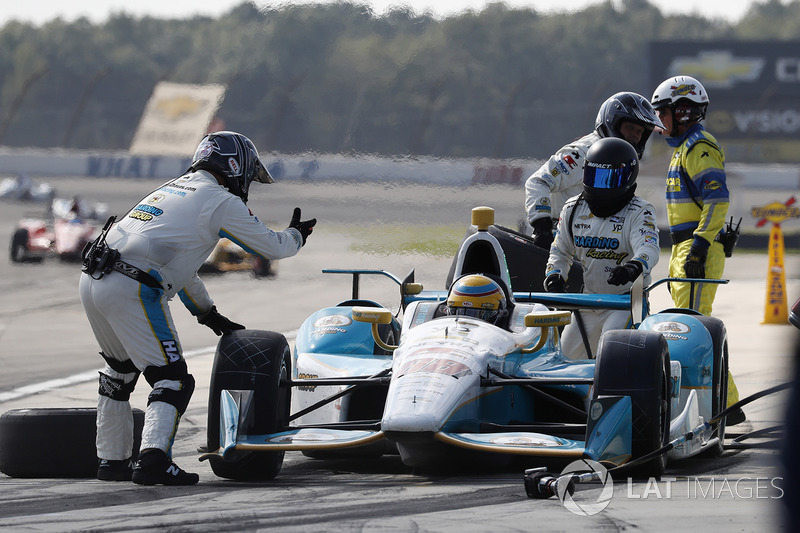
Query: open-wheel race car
x: 437, y: 388
x: 63, y: 233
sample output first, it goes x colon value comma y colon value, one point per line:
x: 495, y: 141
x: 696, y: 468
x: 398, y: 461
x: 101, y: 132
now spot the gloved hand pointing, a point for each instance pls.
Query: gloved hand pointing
x: 304, y: 227
x: 218, y: 323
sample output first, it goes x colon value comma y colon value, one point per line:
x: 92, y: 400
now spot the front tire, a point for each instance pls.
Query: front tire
x: 635, y: 363
x: 259, y: 361
x: 18, y: 250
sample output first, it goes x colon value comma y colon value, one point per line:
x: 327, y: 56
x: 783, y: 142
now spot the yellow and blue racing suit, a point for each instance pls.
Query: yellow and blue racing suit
x: 697, y: 205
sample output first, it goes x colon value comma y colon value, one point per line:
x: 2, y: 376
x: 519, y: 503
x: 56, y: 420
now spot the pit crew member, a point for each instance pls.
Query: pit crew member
x: 624, y: 115
x: 132, y: 272
x: 612, y: 233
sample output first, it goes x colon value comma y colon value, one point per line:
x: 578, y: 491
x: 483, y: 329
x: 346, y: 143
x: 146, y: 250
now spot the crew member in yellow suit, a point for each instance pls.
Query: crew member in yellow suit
x: 697, y: 197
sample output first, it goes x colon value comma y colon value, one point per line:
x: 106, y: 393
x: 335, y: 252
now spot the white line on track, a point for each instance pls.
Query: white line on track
x: 83, y: 377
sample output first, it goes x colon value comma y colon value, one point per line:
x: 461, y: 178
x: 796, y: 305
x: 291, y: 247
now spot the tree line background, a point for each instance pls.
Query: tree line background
x: 503, y: 82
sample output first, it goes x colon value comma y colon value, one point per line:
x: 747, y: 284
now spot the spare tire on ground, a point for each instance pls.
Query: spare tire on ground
x: 54, y: 442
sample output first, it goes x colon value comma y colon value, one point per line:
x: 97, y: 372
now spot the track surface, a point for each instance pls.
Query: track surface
x: 44, y: 336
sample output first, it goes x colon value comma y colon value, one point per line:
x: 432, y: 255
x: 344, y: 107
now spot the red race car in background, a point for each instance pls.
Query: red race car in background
x: 70, y: 224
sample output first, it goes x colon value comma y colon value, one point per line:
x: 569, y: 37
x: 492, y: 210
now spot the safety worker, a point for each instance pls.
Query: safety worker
x: 697, y: 192
x: 478, y: 296
x: 612, y: 233
x: 138, y: 265
x: 624, y: 115
x: 697, y: 200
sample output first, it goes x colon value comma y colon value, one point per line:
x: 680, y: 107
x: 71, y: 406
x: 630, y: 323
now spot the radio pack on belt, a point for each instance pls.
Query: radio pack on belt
x: 98, y: 258
x: 728, y: 237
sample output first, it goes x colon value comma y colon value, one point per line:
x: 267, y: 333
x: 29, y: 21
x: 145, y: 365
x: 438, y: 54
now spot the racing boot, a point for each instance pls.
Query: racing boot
x: 115, y: 470
x: 154, y: 467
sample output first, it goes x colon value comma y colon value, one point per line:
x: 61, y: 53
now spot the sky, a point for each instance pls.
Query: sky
x: 41, y: 11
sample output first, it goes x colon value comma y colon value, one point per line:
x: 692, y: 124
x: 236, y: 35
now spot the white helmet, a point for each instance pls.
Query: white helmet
x: 682, y: 91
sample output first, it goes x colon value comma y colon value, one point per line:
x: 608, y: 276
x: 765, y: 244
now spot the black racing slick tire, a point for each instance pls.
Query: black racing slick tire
x: 719, y: 396
x: 258, y: 361
x: 18, y: 250
x: 635, y: 363
x: 54, y: 442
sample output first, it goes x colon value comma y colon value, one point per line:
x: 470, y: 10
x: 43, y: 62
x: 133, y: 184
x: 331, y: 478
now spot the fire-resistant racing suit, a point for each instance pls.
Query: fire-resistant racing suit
x: 600, y: 244
x: 557, y: 180
x: 697, y: 205
x: 168, y: 235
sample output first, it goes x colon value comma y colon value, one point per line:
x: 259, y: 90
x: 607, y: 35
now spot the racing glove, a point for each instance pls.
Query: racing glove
x: 543, y: 232
x: 218, y: 323
x: 626, y: 273
x: 555, y: 283
x: 695, y: 266
x: 304, y: 227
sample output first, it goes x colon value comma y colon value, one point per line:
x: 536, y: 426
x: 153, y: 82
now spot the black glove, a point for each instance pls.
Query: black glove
x: 543, y: 232
x: 695, y: 266
x: 555, y: 283
x: 218, y: 323
x: 626, y: 273
x: 305, y: 227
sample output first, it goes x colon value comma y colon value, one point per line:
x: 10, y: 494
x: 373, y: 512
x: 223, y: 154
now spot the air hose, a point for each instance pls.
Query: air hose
x: 541, y: 484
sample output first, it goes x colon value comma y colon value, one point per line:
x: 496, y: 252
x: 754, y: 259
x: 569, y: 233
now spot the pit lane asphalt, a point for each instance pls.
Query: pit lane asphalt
x: 44, y: 338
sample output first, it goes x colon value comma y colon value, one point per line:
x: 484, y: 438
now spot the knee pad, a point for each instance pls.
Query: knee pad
x: 115, y: 388
x: 177, y: 373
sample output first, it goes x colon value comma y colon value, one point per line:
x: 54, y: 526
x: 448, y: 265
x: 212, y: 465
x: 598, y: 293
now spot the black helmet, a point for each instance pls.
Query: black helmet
x: 234, y: 156
x: 609, y: 175
x: 627, y: 107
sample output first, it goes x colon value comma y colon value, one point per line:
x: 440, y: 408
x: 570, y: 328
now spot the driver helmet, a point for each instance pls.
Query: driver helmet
x: 685, y: 97
x: 627, y: 107
x: 609, y: 176
x: 477, y: 296
x: 235, y: 157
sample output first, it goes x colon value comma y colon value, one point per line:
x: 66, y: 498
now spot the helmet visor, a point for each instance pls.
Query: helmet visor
x: 261, y: 174
x: 483, y: 314
x: 606, y: 178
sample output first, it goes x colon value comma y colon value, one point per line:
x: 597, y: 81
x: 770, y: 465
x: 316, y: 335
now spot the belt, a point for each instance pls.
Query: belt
x: 684, y: 235
x: 136, y: 273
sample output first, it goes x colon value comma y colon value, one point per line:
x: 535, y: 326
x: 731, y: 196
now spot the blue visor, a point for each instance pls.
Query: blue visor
x: 606, y: 178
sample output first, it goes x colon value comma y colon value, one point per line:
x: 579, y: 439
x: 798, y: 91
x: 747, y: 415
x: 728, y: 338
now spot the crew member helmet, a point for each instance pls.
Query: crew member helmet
x: 235, y: 157
x: 477, y: 296
x: 627, y: 107
x: 609, y: 175
x: 684, y: 96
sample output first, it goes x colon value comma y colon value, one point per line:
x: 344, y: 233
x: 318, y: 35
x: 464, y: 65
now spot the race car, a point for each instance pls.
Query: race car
x: 69, y: 225
x: 439, y: 389
x: 228, y: 256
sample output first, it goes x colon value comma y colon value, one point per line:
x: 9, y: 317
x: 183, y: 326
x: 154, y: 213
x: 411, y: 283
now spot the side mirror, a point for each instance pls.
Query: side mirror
x: 374, y: 316
x: 547, y: 320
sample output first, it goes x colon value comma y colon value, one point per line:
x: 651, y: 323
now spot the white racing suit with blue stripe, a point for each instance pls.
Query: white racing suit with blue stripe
x: 169, y: 234
x: 557, y: 180
x: 600, y: 245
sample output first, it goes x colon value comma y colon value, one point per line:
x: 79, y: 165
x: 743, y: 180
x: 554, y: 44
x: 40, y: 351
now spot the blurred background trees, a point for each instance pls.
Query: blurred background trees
x: 501, y: 82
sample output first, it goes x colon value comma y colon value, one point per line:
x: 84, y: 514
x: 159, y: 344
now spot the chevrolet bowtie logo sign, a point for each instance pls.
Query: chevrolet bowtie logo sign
x: 179, y: 106
x: 718, y: 68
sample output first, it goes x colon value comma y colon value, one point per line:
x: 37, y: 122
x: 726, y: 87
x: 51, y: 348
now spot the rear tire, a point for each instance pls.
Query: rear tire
x: 259, y: 361
x: 635, y: 363
x: 54, y: 442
